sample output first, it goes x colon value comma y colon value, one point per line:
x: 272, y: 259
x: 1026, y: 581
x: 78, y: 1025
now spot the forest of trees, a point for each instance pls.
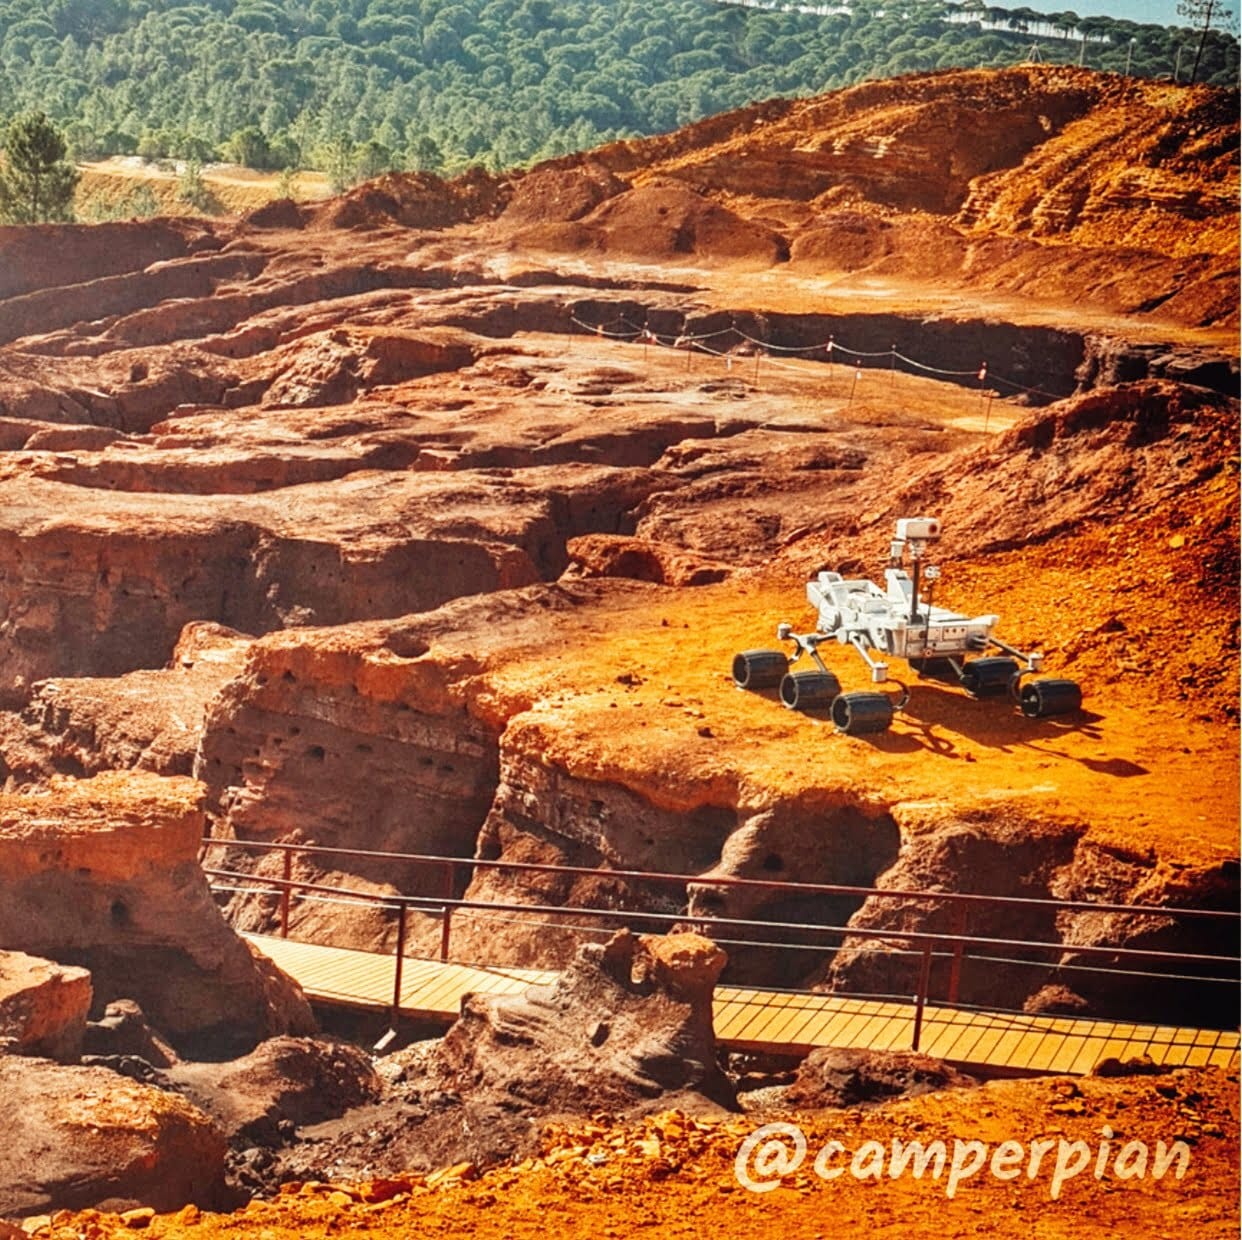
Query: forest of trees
x: 354, y: 87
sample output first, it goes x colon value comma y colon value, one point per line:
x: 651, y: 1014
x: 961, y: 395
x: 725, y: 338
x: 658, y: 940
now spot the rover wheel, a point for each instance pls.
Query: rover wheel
x: 759, y: 669
x: 856, y: 714
x: 1040, y: 698
x: 983, y: 677
x: 808, y: 690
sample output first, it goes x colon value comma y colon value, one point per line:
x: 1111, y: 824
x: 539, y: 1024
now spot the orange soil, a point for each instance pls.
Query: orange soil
x: 675, y: 1176
x: 237, y: 190
x: 1151, y: 768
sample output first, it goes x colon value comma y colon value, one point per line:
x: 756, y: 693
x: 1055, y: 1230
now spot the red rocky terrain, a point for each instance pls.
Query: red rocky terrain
x: 380, y: 524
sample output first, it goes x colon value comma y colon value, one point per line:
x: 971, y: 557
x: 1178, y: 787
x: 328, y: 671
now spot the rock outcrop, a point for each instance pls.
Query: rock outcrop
x: 629, y: 1022
x: 43, y: 1007
x: 84, y: 1136
x: 103, y: 874
x: 122, y: 1033
x: 283, y: 1083
x: 626, y: 1029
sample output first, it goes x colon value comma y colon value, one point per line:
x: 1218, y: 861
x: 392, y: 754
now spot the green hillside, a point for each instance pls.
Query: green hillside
x: 355, y: 86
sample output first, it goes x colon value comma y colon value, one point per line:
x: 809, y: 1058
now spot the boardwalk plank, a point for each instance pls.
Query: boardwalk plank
x: 775, y: 1020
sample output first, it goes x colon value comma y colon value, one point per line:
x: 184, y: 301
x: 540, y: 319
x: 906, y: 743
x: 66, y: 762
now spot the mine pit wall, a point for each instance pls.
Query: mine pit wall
x: 74, y: 602
x: 544, y: 814
x: 1006, y: 851
x: 380, y: 750
x: 103, y: 874
x: 80, y: 597
x: 1052, y: 362
x: 550, y: 815
x: 370, y: 756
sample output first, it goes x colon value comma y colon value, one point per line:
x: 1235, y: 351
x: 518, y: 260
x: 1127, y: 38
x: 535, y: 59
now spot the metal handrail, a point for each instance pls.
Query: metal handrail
x: 953, y: 943
x: 728, y: 881
x: 918, y: 936
x: 927, y: 940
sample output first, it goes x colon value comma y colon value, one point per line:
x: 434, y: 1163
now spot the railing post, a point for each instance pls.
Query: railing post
x: 921, y: 998
x: 399, y: 966
x: 955, y: 965
x: 450, y: 879
x: 285, y: 893
x: 446, y: 929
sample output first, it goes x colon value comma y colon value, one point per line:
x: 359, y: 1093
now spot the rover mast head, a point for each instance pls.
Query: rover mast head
x: 915, y: 531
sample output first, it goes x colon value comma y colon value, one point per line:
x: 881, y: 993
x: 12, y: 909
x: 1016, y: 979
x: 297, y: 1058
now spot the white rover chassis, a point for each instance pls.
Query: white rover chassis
x: 897, y: 622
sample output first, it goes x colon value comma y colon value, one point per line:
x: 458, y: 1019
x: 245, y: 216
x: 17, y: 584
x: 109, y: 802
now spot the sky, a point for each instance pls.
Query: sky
x: 1157, y: 12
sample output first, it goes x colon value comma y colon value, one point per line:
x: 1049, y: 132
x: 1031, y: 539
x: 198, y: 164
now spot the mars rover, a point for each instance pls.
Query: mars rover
x: 898, y: 622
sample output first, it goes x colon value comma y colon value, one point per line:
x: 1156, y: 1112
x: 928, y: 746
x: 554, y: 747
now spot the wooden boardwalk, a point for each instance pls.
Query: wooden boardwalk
x: 786, y: 1022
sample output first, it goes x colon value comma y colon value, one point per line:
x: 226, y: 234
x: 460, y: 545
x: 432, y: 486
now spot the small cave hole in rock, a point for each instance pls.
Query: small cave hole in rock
x: 119, y: 913
x: 315, y: 753
x: 773, y: 863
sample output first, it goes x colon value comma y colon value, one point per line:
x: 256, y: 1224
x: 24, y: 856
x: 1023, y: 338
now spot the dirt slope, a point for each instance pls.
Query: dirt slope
x: 487, y: 482
x: 1032, y: 178
x: 675, y: 1176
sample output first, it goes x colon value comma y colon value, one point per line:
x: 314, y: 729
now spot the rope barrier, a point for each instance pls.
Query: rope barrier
x: 780, y: 348
x: 601, y: 330
x: 831, y: 346
x: 1019, y: 387
x: 935, y: 370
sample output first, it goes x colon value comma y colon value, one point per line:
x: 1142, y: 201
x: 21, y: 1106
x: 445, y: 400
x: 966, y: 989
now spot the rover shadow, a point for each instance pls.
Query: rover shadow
x: 906, y: 742
x: 936, y: 713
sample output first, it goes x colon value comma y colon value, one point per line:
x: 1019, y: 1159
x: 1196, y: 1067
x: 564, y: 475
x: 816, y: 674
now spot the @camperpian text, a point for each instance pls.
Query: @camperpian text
x: 771, y: 1153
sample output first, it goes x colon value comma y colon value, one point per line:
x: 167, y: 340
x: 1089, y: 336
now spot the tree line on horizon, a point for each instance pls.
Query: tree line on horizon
x: 356, y: 87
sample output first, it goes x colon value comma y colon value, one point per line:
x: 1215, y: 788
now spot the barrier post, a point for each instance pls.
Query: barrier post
x: 955, y: 965
x: 399, y: 969
x: 287, y: 884
x: 446, y: 929
x: 921, y: 998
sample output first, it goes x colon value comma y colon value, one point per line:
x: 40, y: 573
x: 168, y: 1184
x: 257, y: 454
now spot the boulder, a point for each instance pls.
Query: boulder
x: 123, y: 1031
x: 103, y: 873
x: 43, y: 1006
x: 836, y: 1077
x: 299, y: 1080
x: 77, y: 1137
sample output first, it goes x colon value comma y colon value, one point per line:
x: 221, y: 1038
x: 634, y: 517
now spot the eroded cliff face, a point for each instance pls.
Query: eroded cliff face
x: 89, y: 594
x: 104, y: 874
x: 149, y: 720
x: 483, y: 544
x: 650, y: 770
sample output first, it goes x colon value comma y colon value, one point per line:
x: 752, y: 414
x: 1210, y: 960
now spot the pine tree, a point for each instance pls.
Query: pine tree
x: 1210, y: 13
x: 36, y: 182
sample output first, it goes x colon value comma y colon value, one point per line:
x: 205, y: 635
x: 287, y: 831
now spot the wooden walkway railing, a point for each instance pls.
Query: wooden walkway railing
x: 784, y: 1022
